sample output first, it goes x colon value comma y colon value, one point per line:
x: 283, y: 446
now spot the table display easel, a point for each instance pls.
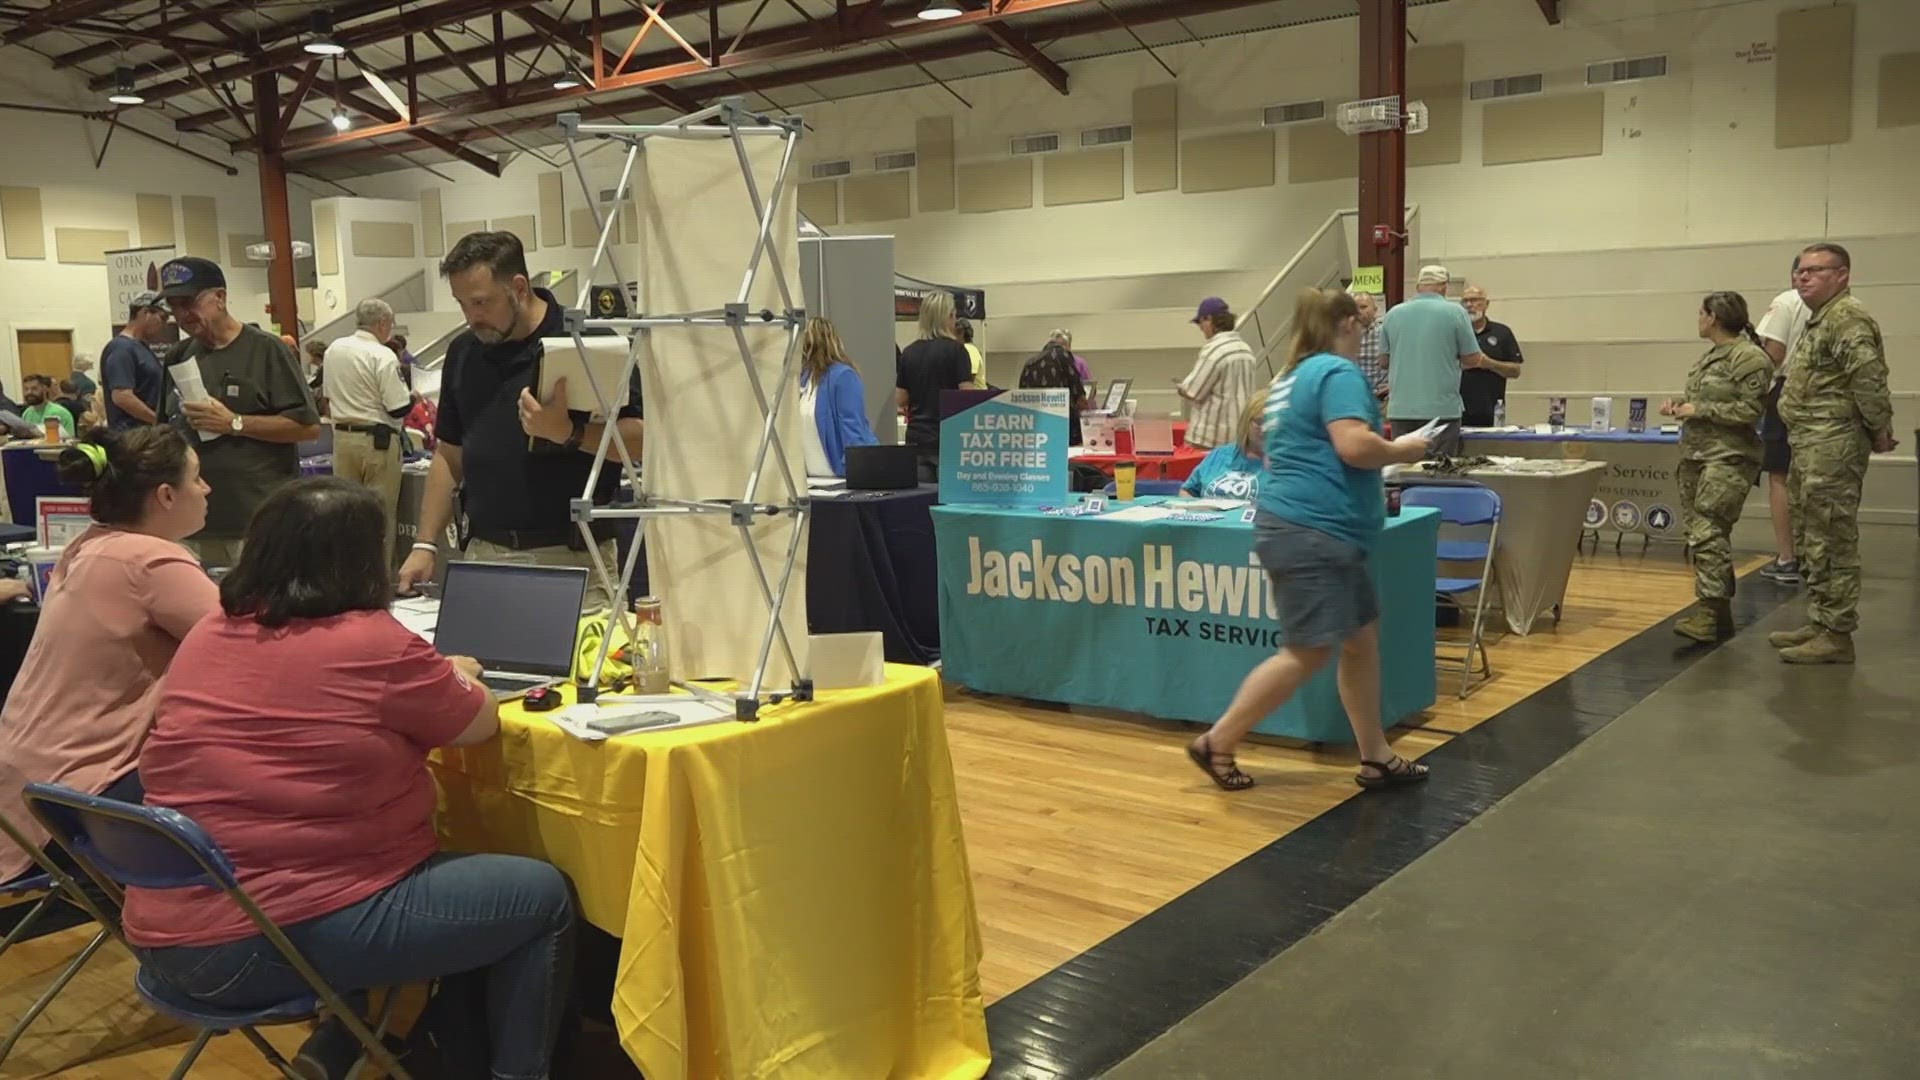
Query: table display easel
x: 688, y: 454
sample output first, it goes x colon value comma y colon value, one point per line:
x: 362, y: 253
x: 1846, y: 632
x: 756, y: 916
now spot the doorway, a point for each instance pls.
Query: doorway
x: 45, y: 352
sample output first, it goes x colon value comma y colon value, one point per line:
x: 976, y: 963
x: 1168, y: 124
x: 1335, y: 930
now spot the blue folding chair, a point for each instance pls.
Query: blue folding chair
x: 150, y: 847
x: 1466, y: 506
x: 42, y: 889
x: 1147, y: 487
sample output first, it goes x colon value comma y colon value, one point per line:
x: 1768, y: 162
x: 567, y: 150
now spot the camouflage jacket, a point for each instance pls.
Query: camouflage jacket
x: 1728, y: 390
x: 1837, y: 378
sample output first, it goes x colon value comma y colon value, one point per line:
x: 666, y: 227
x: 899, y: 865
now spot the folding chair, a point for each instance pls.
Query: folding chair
x: 1469, y: 507
x: 43, y: 888
x: 149, y: 847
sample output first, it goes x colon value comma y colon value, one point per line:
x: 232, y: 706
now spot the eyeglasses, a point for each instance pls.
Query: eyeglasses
x: 1808, y: 271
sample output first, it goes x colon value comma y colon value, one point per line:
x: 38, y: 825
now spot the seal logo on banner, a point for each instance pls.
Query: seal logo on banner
x: 1596, y: 513
x: 1660, y: 518
x: 1626, y: 515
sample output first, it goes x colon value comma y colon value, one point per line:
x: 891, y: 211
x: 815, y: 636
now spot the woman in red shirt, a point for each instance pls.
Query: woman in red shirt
x: 295, y: 728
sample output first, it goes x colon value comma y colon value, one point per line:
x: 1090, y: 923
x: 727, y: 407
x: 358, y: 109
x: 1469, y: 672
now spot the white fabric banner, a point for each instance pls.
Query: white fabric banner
x: 130, y: 272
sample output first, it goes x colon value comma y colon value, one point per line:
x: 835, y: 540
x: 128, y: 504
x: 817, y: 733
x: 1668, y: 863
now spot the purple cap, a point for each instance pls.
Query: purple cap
x: 1212, y: 305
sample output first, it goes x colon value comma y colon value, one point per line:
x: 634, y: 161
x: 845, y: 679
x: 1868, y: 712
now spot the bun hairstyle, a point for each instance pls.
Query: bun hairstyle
x: 118, y: 470
x: 1317, y: 318
x: 1728, y: 310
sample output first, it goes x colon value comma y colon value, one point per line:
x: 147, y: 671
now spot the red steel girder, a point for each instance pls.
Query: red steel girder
x: 56, y: 14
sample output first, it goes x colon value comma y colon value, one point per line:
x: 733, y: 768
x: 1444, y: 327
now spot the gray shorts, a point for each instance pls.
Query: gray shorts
x: 1320, y: 583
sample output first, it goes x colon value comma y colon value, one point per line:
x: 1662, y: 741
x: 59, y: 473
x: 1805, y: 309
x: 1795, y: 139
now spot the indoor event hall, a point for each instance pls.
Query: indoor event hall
x: 956, y: 539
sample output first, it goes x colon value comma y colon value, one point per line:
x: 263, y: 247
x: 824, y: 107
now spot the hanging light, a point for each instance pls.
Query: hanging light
x: 322, y: 42
x: 937, y: 10
x: 340, y: 121
x: 567, y: 80
x: 123, y: 91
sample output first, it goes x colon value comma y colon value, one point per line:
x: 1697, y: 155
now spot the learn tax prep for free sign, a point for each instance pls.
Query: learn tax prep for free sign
x: 1004, y: 449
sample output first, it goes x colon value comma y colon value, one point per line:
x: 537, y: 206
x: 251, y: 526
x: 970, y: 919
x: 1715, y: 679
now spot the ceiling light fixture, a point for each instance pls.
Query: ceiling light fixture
x: 322, y: 42
x: 340, y: 121
x: 937, y: 10
x: 567, y: 80
x: 123, y: 91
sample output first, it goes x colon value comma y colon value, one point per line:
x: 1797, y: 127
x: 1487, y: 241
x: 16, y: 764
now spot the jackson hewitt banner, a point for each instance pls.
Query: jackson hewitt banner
x: 1162, y: 618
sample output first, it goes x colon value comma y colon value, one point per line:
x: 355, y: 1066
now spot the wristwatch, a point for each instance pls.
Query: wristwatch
x: 579, y: 434
x: 236, y: 424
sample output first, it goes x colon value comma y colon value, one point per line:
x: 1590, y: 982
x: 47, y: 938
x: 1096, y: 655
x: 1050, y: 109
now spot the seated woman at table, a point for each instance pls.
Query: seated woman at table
x: 118, y: 602
x: 1320, y: 509
x: 1053, y: 370
x: 1232, y: 470
x: 295, y: 728
x: 1720, y: 454
x: 833, y: 398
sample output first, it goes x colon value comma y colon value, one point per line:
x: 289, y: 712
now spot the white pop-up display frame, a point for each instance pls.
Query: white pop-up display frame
x: 726, y: 120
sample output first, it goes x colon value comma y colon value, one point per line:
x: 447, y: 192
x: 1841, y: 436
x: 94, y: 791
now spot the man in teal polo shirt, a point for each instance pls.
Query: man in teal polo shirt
x: 1424, y: 343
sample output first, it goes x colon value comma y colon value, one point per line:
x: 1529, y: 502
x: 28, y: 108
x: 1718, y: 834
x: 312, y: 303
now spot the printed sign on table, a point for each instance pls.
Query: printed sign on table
x: 62, y: 519
x: 1003, y: 448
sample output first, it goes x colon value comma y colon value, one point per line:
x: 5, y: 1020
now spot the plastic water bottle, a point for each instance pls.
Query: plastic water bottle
x: 1499, y: 414
x: 649, y: 649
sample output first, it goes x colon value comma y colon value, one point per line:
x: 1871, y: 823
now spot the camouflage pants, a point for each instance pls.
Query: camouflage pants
x: 1712, y: 494
x: 1823, y: 488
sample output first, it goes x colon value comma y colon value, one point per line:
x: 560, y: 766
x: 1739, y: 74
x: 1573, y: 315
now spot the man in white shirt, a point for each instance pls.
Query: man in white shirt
x: 1222, y: 380
x: 361, y: 380
x: 1779, y: 331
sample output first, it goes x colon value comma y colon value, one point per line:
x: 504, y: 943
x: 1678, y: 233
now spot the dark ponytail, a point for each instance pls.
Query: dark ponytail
x: 118, y: 470
x: 1728, y: 310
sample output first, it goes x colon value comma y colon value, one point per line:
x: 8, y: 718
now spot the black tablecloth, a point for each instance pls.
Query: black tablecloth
x: 871, y: 566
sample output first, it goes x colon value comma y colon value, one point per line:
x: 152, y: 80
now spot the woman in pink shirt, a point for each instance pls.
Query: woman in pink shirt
x: 118, y: 602
x: 295, y: 727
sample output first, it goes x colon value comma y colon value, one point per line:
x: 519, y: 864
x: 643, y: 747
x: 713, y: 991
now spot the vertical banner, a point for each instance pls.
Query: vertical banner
x: 130, y: 272
x: 1004, y: 447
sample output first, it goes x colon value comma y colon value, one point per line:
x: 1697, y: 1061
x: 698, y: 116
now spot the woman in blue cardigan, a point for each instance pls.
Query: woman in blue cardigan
x: 833, y: 399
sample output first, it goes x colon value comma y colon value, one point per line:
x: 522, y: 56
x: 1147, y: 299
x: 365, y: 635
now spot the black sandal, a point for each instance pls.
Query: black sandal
x: 1200, y: 751
x: 1398, y: 772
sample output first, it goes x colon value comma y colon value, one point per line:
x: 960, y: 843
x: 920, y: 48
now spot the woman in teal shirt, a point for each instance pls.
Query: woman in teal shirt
x: 1319, y: 509
x: 1232, y: 471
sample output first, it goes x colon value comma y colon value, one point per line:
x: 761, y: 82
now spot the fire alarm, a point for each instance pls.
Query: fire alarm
x: 1382, y: 236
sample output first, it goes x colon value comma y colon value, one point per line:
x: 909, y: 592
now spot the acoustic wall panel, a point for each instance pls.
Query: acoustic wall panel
x: 237, y: 250
x: 1321, y: 152
x: 1156, y: 138
x: 22, y: 225
x: 523, y: 227
x: 1242, y: 159
x: 877, y: 197
x: 200, y: 221
x: 1899, y: 90
x: 553, y: 209
x: 1086, y: 177
x: 383, y: 240
x: 457, y: 230
x: 1537, y: 128
x: 933, y: 156
x: 987, y: 186
x: 1436, y: 75
x: 581, y: 228
x: 629, y: 222
x: 819, y: 201
x: 87, y: 247
x: 1813, y: 77
x: 433, y: 226
x: 326, y: 238
x: 155, y: 216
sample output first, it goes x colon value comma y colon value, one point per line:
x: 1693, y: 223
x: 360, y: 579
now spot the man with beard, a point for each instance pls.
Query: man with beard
x: 518, y: 461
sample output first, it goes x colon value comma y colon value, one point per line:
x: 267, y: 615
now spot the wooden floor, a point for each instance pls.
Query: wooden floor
x: 1076, y: 825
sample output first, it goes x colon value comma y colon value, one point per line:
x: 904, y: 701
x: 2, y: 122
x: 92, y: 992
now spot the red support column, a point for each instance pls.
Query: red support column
x: 273, y: 202
x: 1383, y: 155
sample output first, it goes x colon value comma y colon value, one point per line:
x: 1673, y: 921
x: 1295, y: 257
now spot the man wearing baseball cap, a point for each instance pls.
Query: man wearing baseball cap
x: 1424, y: 344
x: 130, y: 370
x: 254, y: 411
x: 1222, y: 380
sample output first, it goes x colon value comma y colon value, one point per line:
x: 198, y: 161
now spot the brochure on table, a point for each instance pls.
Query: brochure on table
x: 1003, y: 447
x: 62, y: 519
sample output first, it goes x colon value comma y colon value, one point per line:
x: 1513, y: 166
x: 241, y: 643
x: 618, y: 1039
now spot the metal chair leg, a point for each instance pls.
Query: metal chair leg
x: 267, y: 1051
x: 26, y: 922
x: 46, y: 998
x: 192, y: 1055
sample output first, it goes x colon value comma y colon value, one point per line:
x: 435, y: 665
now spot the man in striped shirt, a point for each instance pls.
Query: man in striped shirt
x: 1222, y: 380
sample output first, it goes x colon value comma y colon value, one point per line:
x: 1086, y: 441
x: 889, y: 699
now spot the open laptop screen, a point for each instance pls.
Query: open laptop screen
x: 519, y: 619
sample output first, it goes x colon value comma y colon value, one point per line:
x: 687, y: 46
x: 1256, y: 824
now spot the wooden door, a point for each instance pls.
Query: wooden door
x: 46, y: 352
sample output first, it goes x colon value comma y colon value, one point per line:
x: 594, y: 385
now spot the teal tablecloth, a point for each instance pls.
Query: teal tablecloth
x: 1163, y: 618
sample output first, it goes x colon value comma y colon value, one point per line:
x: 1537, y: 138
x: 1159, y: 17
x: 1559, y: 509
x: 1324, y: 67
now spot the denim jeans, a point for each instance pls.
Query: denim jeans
x: 506, y: 920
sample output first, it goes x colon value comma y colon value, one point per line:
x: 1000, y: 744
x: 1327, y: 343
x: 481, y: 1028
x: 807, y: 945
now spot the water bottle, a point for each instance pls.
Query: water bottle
x: 649, y: 651
x: 1499, y: 414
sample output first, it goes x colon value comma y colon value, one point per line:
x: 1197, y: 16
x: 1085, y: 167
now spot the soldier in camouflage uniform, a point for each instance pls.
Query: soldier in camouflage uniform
x: 1837, y: 410
x: 1719, y: 454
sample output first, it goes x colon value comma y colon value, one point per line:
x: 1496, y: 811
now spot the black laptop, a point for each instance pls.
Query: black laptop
x: 882, y: 468
x: 519, y: 621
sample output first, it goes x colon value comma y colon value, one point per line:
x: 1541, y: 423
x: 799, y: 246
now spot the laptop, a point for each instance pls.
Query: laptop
x: 882, y: 468
x: 519, y: 622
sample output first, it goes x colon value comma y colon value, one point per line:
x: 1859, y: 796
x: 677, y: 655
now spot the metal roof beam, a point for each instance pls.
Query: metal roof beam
x: 1029, y: 54
x: 581, y: 42
x: 183, y: 18
x: 56, y: 14
x: 1551, y: 9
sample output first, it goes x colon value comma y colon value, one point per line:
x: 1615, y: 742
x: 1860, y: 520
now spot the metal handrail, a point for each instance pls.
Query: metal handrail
x: 343, y: 325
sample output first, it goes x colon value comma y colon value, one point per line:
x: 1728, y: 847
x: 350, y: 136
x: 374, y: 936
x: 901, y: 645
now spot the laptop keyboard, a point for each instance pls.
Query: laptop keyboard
x: 506, y: 683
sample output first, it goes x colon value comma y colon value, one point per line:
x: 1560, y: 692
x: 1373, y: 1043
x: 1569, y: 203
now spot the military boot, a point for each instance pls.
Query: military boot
x: 1711, y: 621
x: 1825, y: 647
x: 1787, y: 639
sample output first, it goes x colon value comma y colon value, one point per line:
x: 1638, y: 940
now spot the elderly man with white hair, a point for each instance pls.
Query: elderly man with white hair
x: 367, y: 401
x: 1424, y: 343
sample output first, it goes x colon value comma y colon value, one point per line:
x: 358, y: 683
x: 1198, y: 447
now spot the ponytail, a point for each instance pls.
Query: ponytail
x: 117, y: 471
x: 1317, y: 318
x: 1728, y: 310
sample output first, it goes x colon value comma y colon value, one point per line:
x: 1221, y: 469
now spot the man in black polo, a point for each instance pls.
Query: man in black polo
x: 519, y: 462
x: 1484, y: 387
x: 255, y: 413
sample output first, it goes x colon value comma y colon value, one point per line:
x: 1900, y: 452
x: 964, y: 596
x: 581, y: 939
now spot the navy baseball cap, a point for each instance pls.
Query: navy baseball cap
x: 1212, y: 305
x: 187, y: 277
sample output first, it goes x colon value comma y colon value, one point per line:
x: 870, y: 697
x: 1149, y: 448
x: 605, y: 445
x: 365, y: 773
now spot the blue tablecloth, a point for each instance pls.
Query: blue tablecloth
x: 871, y: 566
x: 1575, y: 435
x: 1162, y: 617
x: 29, y: 476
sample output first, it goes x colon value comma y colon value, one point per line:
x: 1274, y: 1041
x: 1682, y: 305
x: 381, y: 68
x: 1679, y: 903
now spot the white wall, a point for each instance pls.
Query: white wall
x: 361, y: 276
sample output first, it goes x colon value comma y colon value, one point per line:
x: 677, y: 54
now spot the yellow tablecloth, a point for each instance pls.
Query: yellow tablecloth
x: 792, y: 895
